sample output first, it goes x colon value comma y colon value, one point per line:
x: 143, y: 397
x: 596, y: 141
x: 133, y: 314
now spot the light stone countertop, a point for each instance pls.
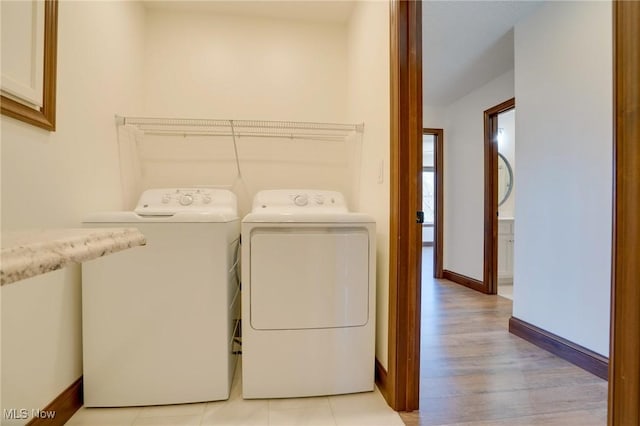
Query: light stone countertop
x: 29, y: 253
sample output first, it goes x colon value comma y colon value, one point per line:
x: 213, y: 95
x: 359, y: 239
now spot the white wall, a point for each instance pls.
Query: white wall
x: 51, y: 180
x: 464, y: 176
x: 369, y: 102
x: 433, y: 117
x: 216, y: 66
x: 207, y: 65
x: 563, y: 63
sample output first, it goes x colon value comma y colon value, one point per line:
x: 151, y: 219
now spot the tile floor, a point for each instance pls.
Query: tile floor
x: 363, y: 409
x: 505, y: 290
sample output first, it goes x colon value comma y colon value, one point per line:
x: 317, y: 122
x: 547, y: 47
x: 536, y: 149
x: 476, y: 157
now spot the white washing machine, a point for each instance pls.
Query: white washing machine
x: 308, y: 296
x: 158, y: 324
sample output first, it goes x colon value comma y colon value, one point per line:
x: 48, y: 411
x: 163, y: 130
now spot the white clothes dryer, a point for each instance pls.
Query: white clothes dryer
x: 308, y: 296
x: 158, y: 324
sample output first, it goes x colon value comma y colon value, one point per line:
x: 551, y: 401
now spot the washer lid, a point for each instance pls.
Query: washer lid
x: 171, y: 201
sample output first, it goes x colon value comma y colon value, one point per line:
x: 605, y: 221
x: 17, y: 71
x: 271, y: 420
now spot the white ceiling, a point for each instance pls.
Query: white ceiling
x: 466, y: 44
x: 337, y: 11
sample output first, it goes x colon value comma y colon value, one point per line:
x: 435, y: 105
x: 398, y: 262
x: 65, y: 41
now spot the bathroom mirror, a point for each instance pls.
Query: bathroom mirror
x: 505, y: 179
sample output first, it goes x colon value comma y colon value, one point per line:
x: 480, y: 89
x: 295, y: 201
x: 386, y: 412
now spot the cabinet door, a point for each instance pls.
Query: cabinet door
x: 509, y: 256
x: 505, y: 258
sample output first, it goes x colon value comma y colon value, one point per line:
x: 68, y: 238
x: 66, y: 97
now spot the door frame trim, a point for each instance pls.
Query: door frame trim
x: 624, y: 364
x: 490, y: 265
x: 405, y: 235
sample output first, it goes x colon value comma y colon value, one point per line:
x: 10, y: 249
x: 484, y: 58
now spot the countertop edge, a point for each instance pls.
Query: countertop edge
x: 47, y: 251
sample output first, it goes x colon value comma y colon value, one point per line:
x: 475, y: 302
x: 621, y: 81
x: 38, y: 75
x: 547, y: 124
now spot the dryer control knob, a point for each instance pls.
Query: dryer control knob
x: 301, y: 200
x: 166, y: 199
x: 206, y: 199
x: 186, y: 199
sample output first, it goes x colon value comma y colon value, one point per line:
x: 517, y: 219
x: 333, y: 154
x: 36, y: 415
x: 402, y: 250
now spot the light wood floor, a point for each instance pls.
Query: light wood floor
x: 473, y: 372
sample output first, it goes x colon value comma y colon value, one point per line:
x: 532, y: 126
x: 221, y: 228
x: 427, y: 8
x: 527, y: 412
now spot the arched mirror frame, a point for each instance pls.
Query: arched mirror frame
x: 509, y: 183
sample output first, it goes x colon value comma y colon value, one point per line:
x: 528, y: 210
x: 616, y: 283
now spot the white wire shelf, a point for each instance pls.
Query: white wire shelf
x: 241, y: 128
x: 236, y: 129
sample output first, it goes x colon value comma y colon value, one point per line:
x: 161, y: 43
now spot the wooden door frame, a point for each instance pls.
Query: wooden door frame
x: 490, y: 265
x: 624, y: 362
x: 402, y: 386
x: 438, y: 165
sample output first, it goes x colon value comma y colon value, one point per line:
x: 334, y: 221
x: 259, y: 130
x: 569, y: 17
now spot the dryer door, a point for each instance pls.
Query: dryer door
x: 309, y: 277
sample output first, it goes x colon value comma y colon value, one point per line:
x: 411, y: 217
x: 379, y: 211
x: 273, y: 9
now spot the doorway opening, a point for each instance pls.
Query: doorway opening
x: 491, y: 189
x: 400, y: 386
x: 432, y: 195
x: 506, y: 201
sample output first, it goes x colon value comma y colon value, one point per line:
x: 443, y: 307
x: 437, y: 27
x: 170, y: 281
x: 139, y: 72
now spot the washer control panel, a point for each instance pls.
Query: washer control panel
x: 169, y: 201
x: 299, y: 200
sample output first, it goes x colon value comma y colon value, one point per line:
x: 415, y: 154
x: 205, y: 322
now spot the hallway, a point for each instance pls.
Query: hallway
x: 473, y: 372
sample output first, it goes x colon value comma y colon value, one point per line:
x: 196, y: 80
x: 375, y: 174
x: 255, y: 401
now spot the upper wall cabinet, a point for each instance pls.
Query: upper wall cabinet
x: 29, y: 39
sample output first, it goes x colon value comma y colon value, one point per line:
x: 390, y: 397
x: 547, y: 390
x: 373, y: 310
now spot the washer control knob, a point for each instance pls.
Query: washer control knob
x: 319, y: 200
x: 166, y: 199
x: 301, y: 200
x: 206, y: 199
x: 186, y: 199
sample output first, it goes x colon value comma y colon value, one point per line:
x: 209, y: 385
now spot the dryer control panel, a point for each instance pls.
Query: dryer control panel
x: 168, y: 201
x: 299, y: 201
